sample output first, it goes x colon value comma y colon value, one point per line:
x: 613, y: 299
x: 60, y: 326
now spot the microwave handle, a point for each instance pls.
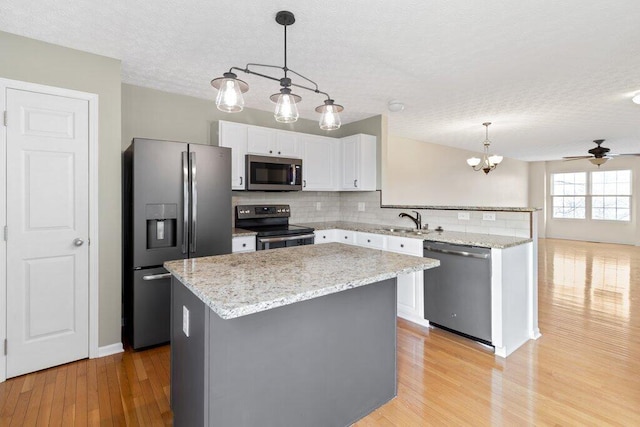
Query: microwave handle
x: 293, y: 174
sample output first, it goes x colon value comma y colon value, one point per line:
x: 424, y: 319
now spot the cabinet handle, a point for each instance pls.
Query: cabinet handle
x: 402, y: 245
x: 240, y: 180
x: 270, y: 151
x: 304, y: 183
x: 346, y: 237
x: 368, y: 240
x: 355, y: 183
x: 324, y: 237
x: 244, y: 245
x: 279, y: 152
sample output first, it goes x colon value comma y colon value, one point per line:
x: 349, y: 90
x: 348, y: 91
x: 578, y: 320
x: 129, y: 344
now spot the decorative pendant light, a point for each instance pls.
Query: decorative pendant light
x: 230, y: 89
x: 488, y: 162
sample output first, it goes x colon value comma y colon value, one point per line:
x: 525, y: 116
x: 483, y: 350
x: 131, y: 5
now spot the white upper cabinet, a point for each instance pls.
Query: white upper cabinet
x: 359, y: 162
x: 272, y: 142
x: 319, y: 162
x: 328, y: 164
x: 234, y: 136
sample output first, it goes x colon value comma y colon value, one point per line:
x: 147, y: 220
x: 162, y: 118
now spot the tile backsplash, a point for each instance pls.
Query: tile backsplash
x: 318, y: 206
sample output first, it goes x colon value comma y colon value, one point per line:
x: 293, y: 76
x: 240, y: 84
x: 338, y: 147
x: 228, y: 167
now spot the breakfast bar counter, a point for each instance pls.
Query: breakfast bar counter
x: 295, y: 336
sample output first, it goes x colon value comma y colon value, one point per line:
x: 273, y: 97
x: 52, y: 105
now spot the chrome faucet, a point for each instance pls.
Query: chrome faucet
x: 417, y: 220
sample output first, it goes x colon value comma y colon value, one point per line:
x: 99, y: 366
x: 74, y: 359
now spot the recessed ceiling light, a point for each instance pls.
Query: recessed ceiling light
x: 636, y: 98
x: 395, y: 106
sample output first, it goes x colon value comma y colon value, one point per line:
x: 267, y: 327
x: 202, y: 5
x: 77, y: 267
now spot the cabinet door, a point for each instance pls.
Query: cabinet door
x: 318, y: 163
x: 243, y: 244
x: 261, y: 141
x: 407, y: 294
x: 368, y: 162
x: 287, y: 144
x: 325, y: 236
x: 234, y: 136
x: 350, y: 163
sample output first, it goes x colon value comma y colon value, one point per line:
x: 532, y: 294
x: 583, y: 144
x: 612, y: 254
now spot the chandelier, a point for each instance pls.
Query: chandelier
x: 230, y: 89
x: 488, y: 162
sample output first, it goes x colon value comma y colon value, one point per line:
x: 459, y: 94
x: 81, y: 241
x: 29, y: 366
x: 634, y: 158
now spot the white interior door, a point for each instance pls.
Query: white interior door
x: 48, y: 230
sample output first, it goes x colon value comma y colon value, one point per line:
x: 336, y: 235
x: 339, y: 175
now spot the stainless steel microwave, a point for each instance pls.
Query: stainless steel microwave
x: 266, y: 173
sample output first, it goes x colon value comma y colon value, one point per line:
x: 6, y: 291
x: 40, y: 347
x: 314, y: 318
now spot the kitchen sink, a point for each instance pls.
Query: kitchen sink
x: 397, y: 230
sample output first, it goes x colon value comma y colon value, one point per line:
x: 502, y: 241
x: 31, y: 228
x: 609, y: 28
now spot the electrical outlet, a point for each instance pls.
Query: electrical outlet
x: 464, y: 216
x: 318, y: 206
x: 489, y: 216
x: 360, y: 206
x: 185, y: 320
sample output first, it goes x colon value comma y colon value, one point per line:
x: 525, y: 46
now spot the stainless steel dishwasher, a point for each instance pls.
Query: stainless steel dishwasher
x: 457, y: 294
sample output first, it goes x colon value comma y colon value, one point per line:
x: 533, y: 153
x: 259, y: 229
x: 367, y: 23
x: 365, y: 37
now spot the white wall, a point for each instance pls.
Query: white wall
x: 420, y: 173
x: 588, y: 230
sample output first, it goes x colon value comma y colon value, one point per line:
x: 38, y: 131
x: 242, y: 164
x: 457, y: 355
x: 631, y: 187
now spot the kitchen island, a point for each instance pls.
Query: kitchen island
x: 294, y: 336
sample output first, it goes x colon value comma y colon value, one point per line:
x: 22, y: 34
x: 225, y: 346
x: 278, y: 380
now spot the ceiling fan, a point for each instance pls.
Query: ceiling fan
x: 599, y: 155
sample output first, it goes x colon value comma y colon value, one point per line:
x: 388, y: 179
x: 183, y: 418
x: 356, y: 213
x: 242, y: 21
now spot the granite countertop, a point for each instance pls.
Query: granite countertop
x: 239, y: 284
x: 453, y: 237
x: 241, y: 232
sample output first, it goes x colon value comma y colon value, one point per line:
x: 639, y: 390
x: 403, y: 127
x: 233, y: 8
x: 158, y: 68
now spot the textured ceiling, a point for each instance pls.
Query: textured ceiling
x: 550, y: 75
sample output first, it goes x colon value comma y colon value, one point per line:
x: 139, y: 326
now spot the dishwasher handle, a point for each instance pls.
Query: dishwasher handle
x: 460, y: 253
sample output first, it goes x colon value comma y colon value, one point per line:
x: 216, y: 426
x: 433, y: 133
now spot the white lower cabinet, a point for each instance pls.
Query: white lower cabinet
x: 243, y: 244
x: 410, y: 286
x: 325, y: 236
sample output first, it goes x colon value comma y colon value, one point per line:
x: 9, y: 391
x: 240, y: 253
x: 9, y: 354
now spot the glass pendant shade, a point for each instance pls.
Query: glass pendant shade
x: 286, y: 108
x: 329, y: 115
x: 473, y: 161
x: 495, y: 159
x: 598, y: 161
x: 230, y: 90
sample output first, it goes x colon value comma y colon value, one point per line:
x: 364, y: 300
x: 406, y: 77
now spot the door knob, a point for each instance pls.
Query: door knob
x: 78, y: 241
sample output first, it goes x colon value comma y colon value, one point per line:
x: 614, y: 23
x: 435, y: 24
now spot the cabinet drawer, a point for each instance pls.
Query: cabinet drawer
x: 325, y: 236
x: 345, y: 236
x: 368, y: 240
x: 405, y: 245
x: 243, y: 244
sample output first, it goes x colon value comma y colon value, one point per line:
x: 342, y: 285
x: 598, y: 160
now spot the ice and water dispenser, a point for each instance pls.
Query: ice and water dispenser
x: 162, y: 222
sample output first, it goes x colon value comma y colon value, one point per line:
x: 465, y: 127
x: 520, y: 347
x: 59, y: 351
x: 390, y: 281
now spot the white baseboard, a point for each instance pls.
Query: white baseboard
x: 110, y: 349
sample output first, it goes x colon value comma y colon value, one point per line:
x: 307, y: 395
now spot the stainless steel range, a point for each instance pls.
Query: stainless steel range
x: 271, y: 222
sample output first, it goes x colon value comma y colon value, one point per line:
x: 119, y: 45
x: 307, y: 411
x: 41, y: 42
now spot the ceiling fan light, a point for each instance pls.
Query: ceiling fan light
x: 636, y: 98
x: 230, y: 90
x: 598, y: 161
x: 473, y: 161
x: 329, y: 117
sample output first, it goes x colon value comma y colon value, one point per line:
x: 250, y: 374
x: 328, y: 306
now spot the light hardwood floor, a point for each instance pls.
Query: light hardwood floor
x: 584, y: 370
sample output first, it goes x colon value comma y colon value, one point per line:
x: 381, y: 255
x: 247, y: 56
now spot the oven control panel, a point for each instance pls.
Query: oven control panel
x: 262, y: 211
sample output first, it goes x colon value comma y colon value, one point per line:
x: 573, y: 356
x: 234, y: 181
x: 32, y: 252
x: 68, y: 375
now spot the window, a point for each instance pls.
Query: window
x: 608, y: 198
x: 611, y: 195
x: 568, y: 191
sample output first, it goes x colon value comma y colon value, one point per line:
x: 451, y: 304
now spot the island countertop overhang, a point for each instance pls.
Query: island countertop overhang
x: 240, y: 284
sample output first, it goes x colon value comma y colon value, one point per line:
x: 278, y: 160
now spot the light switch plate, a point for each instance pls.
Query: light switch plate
x: 489, y: 216
x: 185, y: 320
x: 464, y: 216
x: 360, y: 206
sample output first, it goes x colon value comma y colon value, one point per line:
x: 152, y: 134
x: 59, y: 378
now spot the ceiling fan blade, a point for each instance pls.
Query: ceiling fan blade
x: 625, y: 154
x: 577, y: 157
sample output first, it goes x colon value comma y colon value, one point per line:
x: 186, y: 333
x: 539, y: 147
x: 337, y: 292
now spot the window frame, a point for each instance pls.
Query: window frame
x: 589, y: 196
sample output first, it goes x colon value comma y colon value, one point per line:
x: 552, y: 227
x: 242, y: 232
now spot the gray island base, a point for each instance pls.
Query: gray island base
x: 324, y: 360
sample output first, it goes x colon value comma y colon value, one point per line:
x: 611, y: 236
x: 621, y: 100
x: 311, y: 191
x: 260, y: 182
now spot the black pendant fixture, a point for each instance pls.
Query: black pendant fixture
x: 230, y: 88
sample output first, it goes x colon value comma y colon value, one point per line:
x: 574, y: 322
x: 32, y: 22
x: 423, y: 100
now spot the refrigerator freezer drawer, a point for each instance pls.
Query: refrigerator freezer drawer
x: 151, y: 299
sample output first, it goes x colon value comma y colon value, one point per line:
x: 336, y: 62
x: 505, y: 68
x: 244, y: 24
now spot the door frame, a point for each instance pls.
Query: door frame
x: 93, y: 209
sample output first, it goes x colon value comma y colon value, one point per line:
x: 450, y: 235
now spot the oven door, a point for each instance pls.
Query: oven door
x: 284, y: 241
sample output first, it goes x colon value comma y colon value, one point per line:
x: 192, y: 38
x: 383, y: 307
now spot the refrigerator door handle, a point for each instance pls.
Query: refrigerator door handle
x: 194, y: 201
x: 185, y: 201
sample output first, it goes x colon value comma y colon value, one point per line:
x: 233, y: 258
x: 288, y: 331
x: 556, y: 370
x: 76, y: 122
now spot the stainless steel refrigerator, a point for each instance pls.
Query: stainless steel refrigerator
x: 177, y: 204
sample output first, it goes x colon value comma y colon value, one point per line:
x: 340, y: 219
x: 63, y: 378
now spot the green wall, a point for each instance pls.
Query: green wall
x: 43, y: 63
